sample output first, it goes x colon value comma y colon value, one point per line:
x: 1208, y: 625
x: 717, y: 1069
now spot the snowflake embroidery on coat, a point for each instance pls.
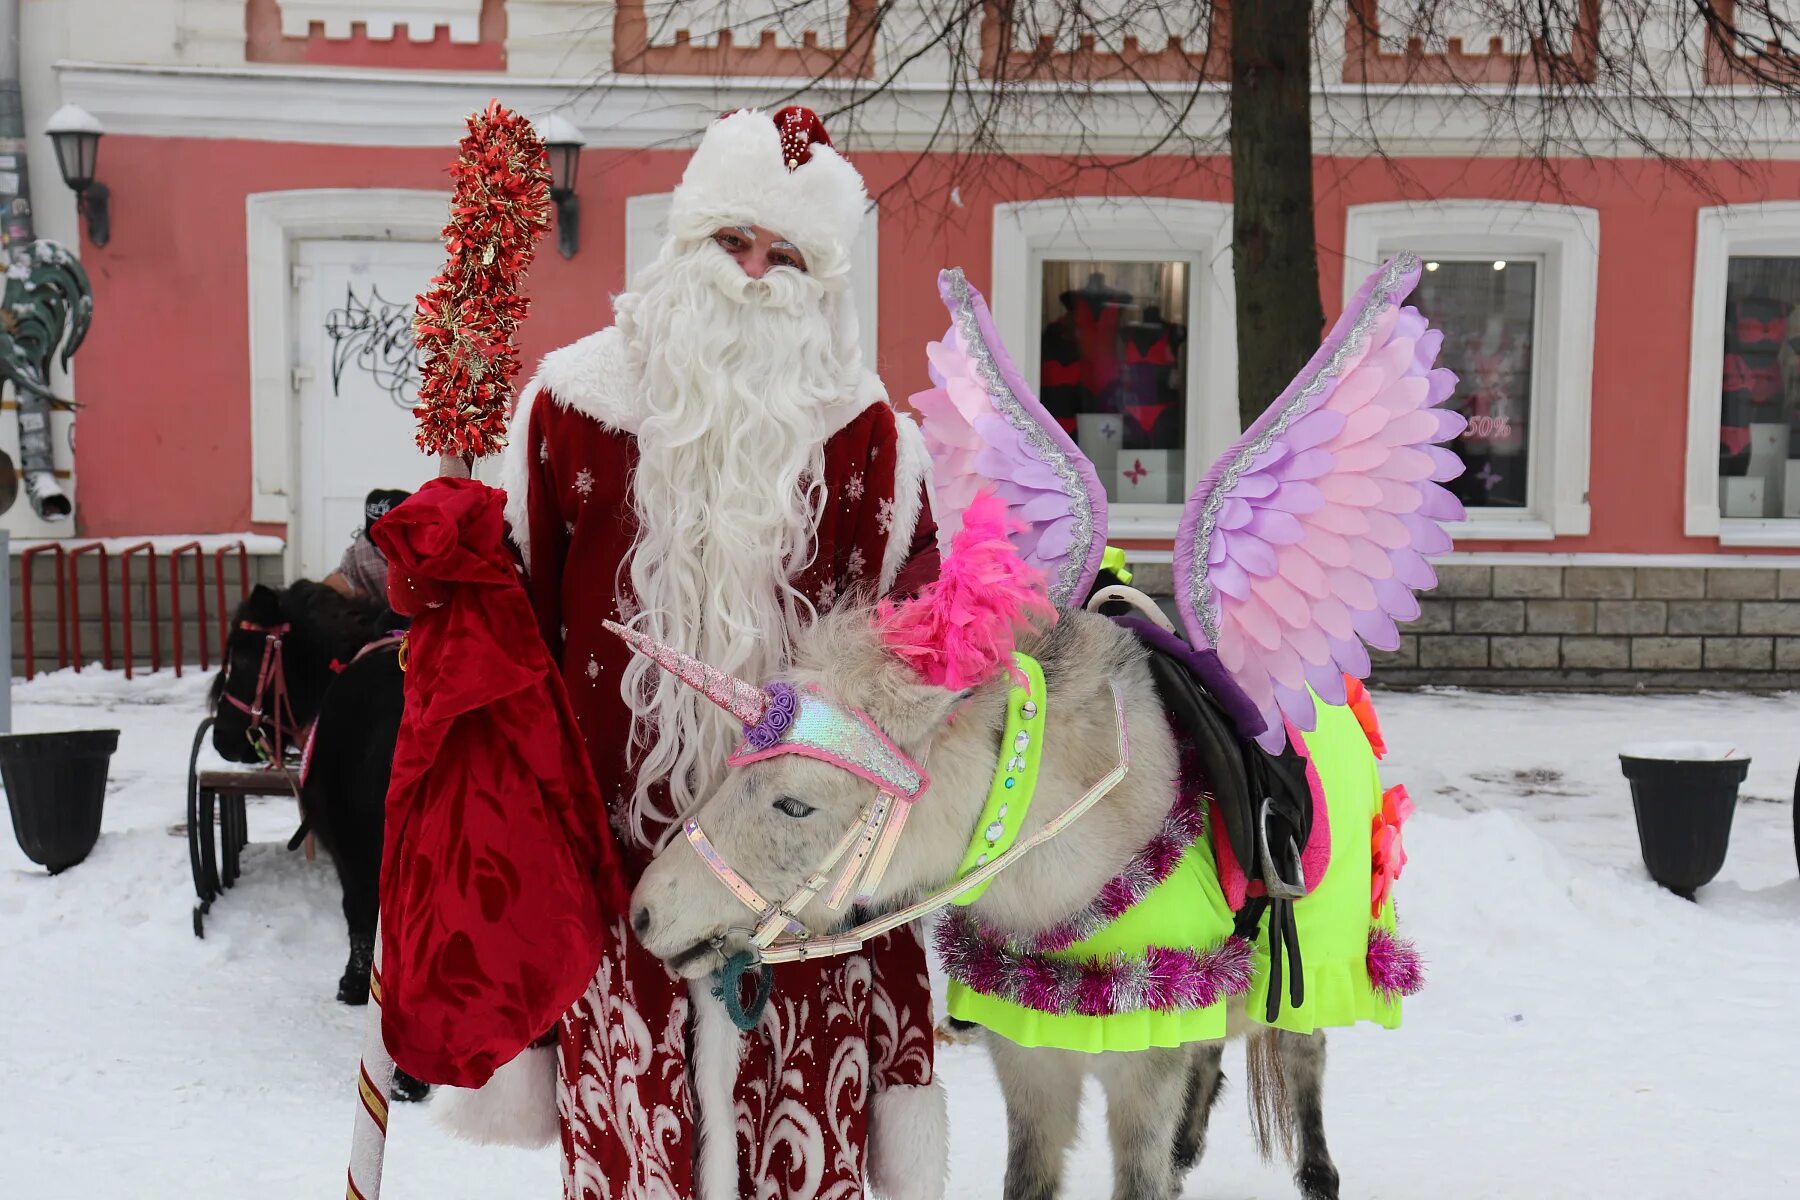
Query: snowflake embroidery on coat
x: 855, y: 564
x: 584, y: 481
x: 827, y: 594
x: 854, y: 487
x: 884, y: 516
x: 593, y: 667
x: 543, y: 452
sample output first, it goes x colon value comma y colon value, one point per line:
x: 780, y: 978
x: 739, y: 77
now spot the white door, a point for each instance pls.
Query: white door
x: 356, y: 376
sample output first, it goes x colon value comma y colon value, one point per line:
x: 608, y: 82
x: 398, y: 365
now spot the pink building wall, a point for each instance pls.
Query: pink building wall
x: 164, y: 435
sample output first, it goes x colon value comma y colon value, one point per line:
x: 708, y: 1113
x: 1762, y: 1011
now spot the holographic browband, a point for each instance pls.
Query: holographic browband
x: 845, y: 737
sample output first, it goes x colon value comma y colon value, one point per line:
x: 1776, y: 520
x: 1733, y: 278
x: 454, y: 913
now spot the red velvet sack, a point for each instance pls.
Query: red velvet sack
x: 498, y: 869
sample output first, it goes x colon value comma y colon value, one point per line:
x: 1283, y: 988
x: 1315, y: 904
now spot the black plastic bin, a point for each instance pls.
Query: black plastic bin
x: 56, y: 789
x: 1684, y: 794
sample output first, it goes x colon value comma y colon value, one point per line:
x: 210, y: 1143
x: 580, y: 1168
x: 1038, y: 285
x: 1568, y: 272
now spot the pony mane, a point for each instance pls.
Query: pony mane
x: 962, y: 627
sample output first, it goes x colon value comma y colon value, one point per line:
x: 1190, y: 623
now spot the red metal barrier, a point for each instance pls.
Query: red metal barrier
x: 26, y: 558
x: 125, y: 555
x: 67, y: 565
x: 225, y: 610
x: 199, y: 599
x: 106, y: 654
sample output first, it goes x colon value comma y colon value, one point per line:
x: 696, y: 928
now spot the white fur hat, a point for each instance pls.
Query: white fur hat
x: 779, y: 172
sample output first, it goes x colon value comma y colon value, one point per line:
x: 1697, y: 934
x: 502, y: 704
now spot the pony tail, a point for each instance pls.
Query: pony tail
x: 962, y: 627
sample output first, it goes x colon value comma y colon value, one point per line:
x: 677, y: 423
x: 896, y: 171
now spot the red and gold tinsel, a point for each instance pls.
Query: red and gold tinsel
x: 466, y: 323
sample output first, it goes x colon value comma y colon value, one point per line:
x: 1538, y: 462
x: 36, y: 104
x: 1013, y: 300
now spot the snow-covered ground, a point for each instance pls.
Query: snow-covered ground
x: 1582, y: 1033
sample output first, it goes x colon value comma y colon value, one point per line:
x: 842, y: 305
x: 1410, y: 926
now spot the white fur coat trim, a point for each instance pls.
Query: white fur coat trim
x: 909, y: 1143
x: 516, y: 1107
x: 912, y: 474
x: 713, y: 1075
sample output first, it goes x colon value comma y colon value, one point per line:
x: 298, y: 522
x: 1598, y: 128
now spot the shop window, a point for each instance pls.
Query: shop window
x: 1759, y: 385
x: 1744, y: 377
x: 1512, y: 286
x: 1120, y: 313
x: 1112, y: 370
x: 1487, y: 309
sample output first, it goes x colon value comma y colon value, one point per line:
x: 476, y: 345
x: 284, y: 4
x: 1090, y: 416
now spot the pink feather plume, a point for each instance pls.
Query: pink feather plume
x: 962, y: 627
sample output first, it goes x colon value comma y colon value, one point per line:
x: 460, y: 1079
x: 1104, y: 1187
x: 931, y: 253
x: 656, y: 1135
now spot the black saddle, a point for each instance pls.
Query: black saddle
x: 1262, y: 801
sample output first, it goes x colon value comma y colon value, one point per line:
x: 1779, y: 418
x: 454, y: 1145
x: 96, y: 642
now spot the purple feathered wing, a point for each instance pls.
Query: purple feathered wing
x: 1309, y: 537
x: 985, y: 429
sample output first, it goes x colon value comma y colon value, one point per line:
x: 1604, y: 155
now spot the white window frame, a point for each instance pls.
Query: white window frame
x: 1564, y: 241
x: 1726, y: 232
x: 1141, y: 229
x: 647, y: 227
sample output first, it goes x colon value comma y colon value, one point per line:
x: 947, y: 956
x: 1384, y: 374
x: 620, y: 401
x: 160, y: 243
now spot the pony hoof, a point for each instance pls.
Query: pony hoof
x: 408, y: 1090
x: 1318, y: 1181
x: 353, y: 988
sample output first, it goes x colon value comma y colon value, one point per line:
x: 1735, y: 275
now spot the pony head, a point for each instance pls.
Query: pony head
x: 809, y: 744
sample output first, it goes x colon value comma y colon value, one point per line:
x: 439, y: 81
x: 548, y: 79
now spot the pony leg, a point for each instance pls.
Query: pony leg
x: 361, y: 902
x: 1303, y: 1066
x: 1144, y: 1091
x: 1043, y: 1104
x: 1206, y: 1079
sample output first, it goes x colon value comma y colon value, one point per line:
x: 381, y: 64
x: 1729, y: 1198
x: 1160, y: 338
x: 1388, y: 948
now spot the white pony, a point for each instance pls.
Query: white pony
x: 1226, y: 805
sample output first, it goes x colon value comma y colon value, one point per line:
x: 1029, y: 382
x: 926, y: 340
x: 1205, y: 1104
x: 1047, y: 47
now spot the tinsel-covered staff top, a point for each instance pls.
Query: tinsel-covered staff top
x: 466, y: 322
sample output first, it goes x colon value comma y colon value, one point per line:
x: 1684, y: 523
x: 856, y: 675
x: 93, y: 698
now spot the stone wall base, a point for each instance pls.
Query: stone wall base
x: 1599, y: 628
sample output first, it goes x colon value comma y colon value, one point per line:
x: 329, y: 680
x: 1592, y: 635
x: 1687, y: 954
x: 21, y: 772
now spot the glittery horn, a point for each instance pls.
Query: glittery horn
x: 745, y: 701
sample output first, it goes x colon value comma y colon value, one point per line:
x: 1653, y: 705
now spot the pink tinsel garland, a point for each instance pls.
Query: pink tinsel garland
x: 1162, y: 978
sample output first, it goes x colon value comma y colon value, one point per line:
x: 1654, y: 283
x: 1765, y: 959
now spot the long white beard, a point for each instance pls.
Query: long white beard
x: 741, y: 383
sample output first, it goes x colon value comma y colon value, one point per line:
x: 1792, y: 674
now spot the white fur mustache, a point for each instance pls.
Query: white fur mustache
x: 782, y: 290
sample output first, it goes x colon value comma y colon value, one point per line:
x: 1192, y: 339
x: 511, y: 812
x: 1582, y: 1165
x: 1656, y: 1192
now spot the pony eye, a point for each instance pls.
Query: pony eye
x: 793, y: 807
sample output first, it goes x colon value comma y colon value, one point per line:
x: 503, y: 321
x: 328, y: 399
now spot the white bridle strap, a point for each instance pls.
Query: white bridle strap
x: 784, y: 918
x: 804, y: 948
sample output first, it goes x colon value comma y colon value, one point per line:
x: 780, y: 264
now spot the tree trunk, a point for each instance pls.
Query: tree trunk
x: 1274, y: 259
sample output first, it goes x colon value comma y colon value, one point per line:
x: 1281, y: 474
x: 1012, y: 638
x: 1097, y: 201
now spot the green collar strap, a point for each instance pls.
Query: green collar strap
x: 1015, y: 776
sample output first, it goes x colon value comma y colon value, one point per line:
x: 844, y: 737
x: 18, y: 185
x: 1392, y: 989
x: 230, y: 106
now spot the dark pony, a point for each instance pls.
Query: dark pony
x: 300, y: 662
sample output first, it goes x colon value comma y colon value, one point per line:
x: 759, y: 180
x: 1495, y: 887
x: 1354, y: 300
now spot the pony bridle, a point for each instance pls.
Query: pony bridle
x: 781, y: 719
x: 272, y: 727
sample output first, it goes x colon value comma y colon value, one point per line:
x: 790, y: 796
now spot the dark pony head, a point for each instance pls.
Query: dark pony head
x: 284, y: 646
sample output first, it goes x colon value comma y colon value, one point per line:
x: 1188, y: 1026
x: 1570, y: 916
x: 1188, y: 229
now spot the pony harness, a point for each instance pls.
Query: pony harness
x: 806, y: 722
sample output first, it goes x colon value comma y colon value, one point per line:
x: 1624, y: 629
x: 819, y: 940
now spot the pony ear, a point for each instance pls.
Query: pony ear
x: 918, y: 713
x: 263, y: 604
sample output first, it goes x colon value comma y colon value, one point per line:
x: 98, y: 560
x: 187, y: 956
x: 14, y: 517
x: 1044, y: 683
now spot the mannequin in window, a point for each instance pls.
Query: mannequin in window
x: 1152, y: 389
x: 1060, y: 374
x: 1094, y: 312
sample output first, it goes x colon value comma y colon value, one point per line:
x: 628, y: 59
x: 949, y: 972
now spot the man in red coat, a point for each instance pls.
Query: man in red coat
x: 718, y: 468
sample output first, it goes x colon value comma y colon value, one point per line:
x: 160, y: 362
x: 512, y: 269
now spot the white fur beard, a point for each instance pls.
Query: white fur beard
x: 740, y: 381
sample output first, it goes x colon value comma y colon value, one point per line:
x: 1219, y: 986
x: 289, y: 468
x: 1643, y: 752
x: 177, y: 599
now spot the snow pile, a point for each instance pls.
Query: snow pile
x: 1582, y: 1033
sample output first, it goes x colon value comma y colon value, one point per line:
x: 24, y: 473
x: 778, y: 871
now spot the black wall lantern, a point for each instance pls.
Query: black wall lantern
x: 564, y: 142
x: 75, y: 133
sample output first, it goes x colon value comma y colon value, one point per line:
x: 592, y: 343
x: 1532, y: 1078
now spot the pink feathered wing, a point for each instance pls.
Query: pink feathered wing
x: 987, y: 431
x: 1309, y: 537
x: 960, y: 630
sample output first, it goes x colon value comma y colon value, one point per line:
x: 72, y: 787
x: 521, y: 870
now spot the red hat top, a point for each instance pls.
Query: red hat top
x: 800, y: 130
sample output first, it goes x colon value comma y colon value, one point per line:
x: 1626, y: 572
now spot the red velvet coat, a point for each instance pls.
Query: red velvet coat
x: 838, y: 1036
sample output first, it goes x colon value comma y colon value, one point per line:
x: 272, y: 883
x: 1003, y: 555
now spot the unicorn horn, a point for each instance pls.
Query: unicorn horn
x: 745, y: 701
